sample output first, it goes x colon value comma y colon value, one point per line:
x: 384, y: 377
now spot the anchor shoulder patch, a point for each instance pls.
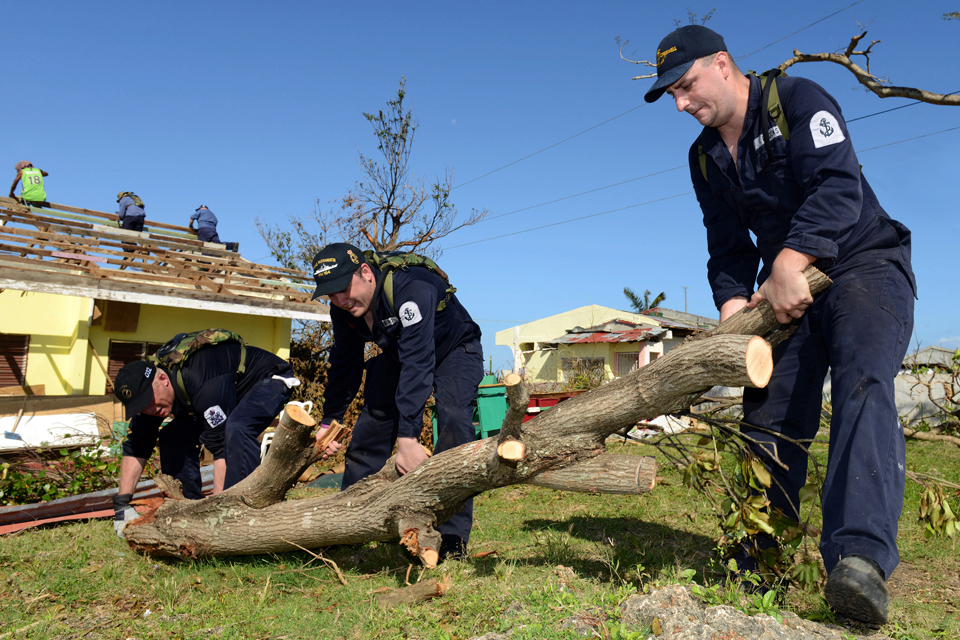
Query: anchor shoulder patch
x: 825, y: 129
x: 409, y: 314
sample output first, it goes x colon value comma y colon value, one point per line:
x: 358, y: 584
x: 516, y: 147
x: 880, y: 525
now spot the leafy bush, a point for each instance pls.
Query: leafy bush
x: 70, y: 473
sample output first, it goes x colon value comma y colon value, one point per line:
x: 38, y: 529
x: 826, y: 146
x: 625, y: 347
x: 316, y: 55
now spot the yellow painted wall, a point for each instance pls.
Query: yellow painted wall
x: 543, y: 366
x: 58, y: 344
x: 60, y: 356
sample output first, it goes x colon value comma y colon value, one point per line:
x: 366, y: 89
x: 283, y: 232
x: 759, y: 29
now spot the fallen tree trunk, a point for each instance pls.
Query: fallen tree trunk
x: 561, y: 448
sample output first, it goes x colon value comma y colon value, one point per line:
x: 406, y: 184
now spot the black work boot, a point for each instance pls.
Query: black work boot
x: 452, y: 547
x: 856, y: 590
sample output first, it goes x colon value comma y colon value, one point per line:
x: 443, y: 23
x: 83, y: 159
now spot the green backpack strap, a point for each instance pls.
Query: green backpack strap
x: 771, y: 109
x: 173, y: 355
x: 387, y: 263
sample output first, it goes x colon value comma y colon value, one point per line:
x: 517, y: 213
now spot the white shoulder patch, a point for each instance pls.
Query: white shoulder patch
x: 214, y: 416
x: 825, y: 129
x: 409, y: 314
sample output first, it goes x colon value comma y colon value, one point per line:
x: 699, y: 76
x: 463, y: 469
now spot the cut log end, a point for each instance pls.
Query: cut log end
x: 512, y: 450
x: 297, y: 414
x: 429, y: 557
x: 759, y: 358
x: 512, y: 379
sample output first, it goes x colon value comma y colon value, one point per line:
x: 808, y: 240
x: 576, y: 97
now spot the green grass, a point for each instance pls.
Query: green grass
x: 559, y: 557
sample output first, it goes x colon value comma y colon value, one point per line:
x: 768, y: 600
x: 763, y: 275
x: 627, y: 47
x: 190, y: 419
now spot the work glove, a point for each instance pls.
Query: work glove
x: 123, y: 513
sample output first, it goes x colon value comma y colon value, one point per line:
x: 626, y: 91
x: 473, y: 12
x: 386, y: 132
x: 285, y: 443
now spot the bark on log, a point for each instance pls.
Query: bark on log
x: 242, y: 520
x: 609, y: 473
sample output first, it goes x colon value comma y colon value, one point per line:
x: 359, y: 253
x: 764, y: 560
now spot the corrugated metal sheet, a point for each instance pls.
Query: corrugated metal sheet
x: 624, y: 331
x: 634, y: 335
x: 614, y: 331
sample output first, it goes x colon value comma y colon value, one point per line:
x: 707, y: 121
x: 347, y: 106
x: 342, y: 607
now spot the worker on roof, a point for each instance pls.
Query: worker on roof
x: 206, y: 224
x: 424, y: 351
x: 131, y: 212
x: 796, y: 185
x: 219, y: 405
x: 31, y: 190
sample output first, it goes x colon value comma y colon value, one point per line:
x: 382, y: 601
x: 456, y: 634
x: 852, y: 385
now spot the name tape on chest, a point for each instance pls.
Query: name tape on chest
x: 772, y: 134
x: 409, y: 314
x: 825, y: 129
x: 214, y: 416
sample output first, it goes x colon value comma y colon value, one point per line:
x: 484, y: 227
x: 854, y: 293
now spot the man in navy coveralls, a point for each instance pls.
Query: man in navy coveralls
x: 806, y: 204
x: 424, y: 351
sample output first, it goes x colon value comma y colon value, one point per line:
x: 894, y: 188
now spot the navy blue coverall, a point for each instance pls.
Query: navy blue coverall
x: 206, y: 225
x: 812, y: 197
x: 424, y: 351
x: 227, y: 413
x: 130, y: 214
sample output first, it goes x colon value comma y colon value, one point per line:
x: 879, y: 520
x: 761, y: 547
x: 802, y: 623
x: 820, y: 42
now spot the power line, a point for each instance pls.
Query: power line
x: 556, y: 224
x: 926, y: 135
x: 550, y: 147
x: 634, y: 108
x: 903, y: 106
x: 582, y: 193
x: 799, y: 30
x: 678, y: 195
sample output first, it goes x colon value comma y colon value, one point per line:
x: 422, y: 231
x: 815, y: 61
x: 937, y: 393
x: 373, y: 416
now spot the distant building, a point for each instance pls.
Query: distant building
x: 605, y: 342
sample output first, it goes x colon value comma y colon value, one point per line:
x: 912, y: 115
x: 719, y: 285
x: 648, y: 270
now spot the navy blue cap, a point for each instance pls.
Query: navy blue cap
x: 333, y: 266
x: 677, y: 53
x: 134, y: 386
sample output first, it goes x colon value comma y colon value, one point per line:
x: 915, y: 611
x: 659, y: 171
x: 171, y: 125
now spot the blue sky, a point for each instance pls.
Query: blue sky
x: 255, y: 109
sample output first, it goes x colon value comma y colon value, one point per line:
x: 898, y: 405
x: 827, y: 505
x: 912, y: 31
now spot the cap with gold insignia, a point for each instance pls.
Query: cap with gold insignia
x: 333, y: 266
x: 134, y: 386
x: 677, y: 53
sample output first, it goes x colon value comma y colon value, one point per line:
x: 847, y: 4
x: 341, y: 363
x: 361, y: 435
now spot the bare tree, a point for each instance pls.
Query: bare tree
x: 693, y: 18
x: 880, y: 86
x: 389, y: 209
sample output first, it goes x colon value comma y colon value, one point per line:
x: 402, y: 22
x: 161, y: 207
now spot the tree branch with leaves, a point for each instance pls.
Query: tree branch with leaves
x: 641, y: 305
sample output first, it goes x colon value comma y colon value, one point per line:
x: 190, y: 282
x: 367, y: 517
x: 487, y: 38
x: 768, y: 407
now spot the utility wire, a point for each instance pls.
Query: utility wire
x: 628, y: 111
x: 550, y: 147
x: 556, y: 224
x: 678, y: 195
x: 582, y: 193
x: 926, y: 135
x: 799, y: 30
x: 903, y: 106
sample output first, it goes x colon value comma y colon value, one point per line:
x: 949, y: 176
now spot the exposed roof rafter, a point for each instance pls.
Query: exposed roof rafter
x: 81, y: 252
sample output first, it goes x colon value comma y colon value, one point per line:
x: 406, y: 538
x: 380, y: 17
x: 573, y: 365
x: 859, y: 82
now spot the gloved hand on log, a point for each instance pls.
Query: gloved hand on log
x: 123, y: 513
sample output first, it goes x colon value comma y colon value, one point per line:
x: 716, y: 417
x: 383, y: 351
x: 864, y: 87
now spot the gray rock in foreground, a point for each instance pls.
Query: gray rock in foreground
x: 682, y: 617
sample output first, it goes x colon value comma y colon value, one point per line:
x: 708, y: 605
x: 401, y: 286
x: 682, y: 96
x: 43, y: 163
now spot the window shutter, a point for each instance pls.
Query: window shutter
x: 13, y: 359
